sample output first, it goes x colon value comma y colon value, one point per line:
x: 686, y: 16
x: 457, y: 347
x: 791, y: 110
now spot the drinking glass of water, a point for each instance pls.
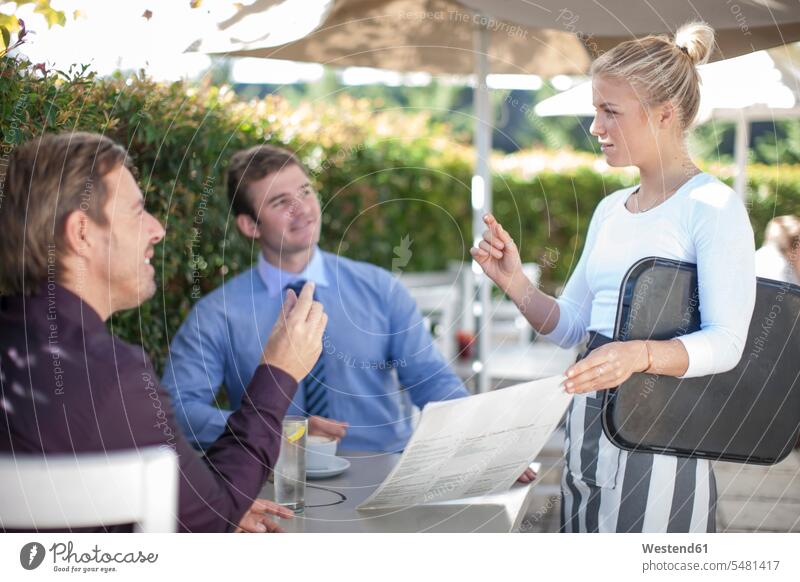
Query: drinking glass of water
x: 290, y: 470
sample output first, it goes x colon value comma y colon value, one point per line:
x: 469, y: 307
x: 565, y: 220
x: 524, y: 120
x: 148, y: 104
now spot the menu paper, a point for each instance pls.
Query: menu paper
x: 473, y: 446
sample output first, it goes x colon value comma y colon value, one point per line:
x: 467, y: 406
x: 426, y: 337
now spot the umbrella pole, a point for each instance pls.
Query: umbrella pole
x: 481, y: 204
x: 740, y: 150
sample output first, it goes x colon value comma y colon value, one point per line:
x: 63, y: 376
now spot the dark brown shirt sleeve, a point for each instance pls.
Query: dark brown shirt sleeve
x: 215, y: 490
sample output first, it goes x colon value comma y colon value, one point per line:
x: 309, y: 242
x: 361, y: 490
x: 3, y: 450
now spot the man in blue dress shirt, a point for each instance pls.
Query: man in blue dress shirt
x: 376, y: 347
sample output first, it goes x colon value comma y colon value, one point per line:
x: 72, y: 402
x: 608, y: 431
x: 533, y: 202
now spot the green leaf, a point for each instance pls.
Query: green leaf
x: 9, y: 22
x: 51, y: 15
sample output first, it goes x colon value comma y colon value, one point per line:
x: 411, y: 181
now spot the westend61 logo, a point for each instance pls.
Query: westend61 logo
x: 66, y: 559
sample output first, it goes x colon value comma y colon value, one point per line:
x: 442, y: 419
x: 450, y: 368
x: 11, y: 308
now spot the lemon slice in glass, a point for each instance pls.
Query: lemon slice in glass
x: 297, y: 435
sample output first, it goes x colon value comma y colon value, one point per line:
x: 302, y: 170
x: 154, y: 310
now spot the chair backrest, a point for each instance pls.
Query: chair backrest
x: 438, y: 308
x: 94, y: 489
x: 445, y: 299
x: 507, y: 320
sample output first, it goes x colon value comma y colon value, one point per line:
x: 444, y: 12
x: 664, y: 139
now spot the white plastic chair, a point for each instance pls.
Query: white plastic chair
x: 438, y: 308
x: 85, y: 490
x: 507, y: 322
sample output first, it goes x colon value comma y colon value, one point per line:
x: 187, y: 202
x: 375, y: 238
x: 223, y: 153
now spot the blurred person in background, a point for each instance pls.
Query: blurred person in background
x: 779, y: 257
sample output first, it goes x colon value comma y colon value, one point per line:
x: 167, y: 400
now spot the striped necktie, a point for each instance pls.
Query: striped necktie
x: 316, y: 393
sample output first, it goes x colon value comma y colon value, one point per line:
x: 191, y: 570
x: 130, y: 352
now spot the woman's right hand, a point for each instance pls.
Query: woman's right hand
x: 498, y: 255
x: 296, y: 340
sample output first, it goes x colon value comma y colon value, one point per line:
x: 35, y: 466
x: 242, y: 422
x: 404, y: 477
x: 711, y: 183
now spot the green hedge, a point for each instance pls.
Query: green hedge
x: 383, y: 176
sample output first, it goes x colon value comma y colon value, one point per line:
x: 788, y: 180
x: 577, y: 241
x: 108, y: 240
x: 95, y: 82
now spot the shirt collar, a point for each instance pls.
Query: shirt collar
x: 277, y: 279
x: 53, y: 300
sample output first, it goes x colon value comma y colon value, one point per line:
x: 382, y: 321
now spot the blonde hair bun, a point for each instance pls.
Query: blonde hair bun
x: 697, y: 40
x: 657, y: 66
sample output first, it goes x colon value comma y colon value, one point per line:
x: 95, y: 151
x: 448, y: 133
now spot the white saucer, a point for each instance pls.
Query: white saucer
x: 338, y: 466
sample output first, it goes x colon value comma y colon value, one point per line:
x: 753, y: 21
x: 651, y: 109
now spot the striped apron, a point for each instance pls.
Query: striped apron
x: 606, y: 489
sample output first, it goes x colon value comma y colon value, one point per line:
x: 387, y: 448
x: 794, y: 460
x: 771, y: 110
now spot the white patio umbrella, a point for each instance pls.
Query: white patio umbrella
x: 765, y: 95
x: 741, y: 27
x: 448, y: 36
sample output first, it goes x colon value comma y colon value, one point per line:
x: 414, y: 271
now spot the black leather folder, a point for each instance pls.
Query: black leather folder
x: 750, y: 414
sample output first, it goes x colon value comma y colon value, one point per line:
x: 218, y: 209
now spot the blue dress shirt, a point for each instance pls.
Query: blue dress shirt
x: 376, y: 344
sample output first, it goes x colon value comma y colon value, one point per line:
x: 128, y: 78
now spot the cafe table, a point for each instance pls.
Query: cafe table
x: 331, y: 504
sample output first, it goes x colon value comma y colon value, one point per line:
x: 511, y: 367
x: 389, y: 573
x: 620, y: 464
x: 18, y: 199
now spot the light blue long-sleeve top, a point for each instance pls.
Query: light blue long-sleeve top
x: 376, y: 348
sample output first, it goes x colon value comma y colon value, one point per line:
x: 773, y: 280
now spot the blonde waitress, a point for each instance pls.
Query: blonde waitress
x: 646, y: 94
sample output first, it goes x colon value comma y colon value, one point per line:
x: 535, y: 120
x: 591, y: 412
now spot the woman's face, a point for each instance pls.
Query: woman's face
x: 627, y: 129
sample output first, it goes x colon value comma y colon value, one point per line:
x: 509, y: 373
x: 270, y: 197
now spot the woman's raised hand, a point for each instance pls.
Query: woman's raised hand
x: 498, y: 255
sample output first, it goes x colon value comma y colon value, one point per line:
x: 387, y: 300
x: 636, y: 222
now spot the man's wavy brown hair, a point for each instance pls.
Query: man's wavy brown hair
x: 48, y: 178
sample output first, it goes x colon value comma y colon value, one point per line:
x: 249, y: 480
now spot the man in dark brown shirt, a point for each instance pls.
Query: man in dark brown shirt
x: 76, y: 247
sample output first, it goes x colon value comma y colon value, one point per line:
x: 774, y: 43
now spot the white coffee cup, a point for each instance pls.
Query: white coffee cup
x: 320, y: 451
